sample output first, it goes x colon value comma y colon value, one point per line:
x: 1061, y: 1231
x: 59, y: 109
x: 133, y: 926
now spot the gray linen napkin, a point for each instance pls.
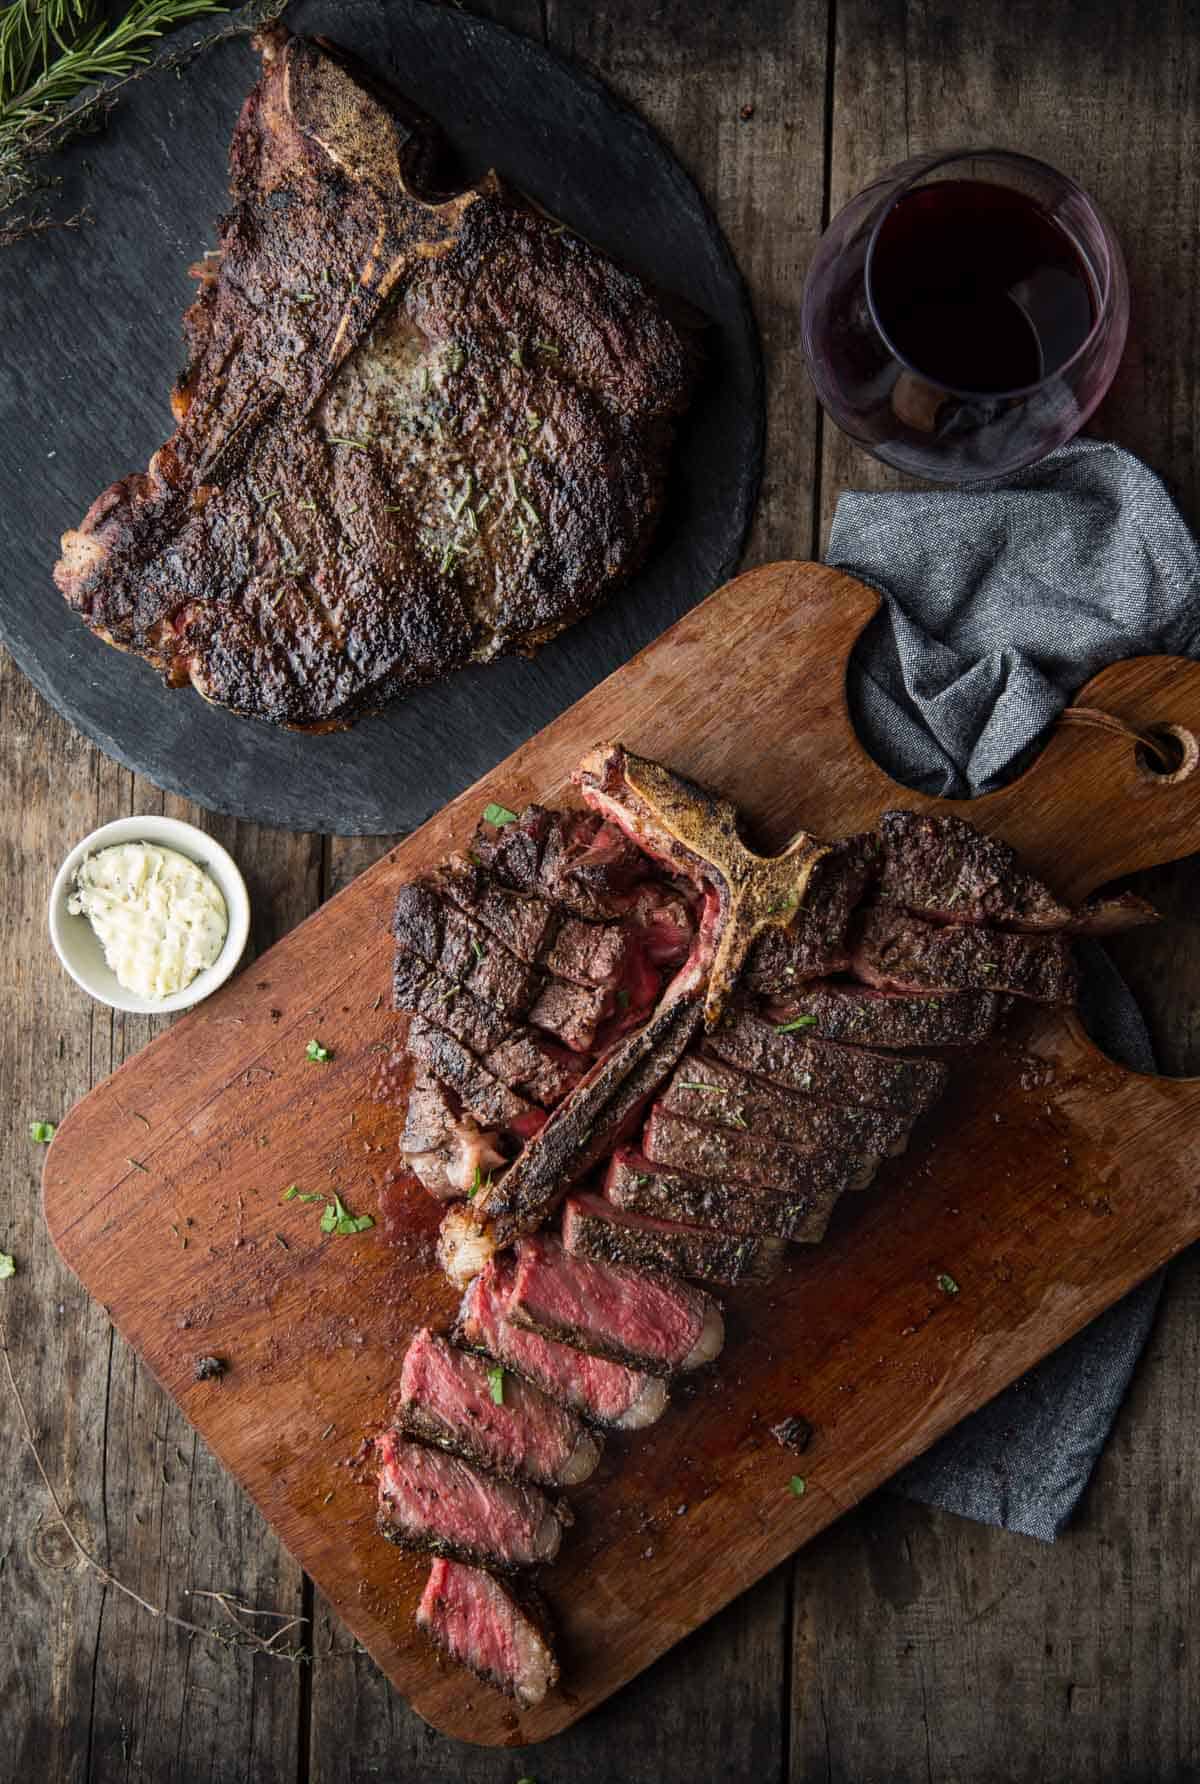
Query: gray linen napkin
x: 1002, y: 600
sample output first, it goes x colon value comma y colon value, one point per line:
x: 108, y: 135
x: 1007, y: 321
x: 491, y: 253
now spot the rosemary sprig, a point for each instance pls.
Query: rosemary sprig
x: 62, y: 62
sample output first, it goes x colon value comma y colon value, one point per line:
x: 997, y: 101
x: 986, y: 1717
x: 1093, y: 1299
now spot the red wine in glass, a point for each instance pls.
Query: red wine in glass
x: 965, y: 314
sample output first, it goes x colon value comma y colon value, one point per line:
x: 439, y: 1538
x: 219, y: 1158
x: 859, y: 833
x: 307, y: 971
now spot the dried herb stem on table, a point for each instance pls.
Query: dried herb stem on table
x: 62, y: 65
x: 241, y: 1636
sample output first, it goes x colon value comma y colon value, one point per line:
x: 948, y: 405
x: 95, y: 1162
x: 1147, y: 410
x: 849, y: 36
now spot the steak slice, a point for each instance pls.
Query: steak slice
x: 726, y: 1154
x: 827, y: 1069
x: 634, y: 1183
x: 544, y: 1074
x: 571, y: 1012
x: 646, y: 1322
x: 435, y: 1502
x: 816, y: 941
x: 422, y: 990
x: 525, y: 926
x: 425, y: 924
x: 899, y: 952
x: 943, y: 867
x: 479, y: 1623
x: 414, y: 431
x: 447, y: 1151
x: 574, y: 859
x: 594, y: 1228
x: 866, y: 1017
x: 453, y: 1398
x: 589, y: 953
x: 707, y: 1090
x: 482, y: 1094
x: 605, y: 1393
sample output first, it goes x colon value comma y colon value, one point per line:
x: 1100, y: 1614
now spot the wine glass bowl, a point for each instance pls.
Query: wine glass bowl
x: 965, y: 313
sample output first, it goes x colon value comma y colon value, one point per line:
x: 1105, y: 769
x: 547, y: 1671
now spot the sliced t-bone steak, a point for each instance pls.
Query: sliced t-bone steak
x: 815, y: 942
x: 899, y: 952
x: 544, y: 1073
x: 422, y: 990
x: 944, y: 867
x: 827, y: 1069
x: 370, y: 357
x: 445, y: 1149
x: 465, y: 1403
x: 724, y: 1153
x: 866, y: 1017
x: 594, y: 1228
x: 462, y: 949
x: 635, y: 1183
x: 572, y: 858
x: 646, y: 1322
x: 482, y: 1094
x: 605, y: 1393
x: 571, y: 1012
x: 438, y: 1503
x: 479, y: 1623
x: 589, y: 953
x: 525, y: 926
x: 708, y: 1090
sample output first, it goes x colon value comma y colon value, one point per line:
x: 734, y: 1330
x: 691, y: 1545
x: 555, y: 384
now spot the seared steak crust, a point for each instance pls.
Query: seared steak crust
x: 898, y: 952
x: 412, y: 433
x: 594, y: 1228
x: 867, y: 1017
x: 638, y: 1184
x: 943, y: 867
x: 707, y: 1090
x: 723, y: 1153
x: 827, y: 1069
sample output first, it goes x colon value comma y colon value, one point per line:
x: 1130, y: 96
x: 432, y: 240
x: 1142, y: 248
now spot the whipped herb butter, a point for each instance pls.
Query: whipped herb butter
x: 160, y: 919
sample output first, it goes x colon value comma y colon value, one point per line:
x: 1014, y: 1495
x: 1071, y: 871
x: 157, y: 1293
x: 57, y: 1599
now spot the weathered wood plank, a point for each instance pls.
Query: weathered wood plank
x: 925, y: 1645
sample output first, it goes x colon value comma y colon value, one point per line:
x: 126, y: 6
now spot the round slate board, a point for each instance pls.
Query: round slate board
x: 92, y: 321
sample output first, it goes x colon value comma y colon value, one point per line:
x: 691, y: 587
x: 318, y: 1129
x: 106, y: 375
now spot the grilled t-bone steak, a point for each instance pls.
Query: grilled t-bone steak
x: 700, y: 1049
x: 483, y: 1625
x: 415, y: 430
x: 432, y: 1501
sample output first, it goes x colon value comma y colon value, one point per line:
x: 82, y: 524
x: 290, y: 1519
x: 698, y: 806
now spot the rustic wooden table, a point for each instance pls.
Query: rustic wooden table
x: 905, y: 1643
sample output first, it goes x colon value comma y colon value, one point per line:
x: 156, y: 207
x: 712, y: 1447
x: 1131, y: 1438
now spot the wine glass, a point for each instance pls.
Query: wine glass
x: 965, y: 313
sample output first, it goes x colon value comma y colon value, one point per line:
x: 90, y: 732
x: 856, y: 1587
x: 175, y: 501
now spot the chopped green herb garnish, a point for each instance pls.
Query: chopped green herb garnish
x: 337, y: 1218
x: 781, y: 904
x: 308, y: 507
x: 341, y: 440
x: 548, y: 347
x: 641, y: 1180
x: 456, y: 359
x: 516, y: 354
x: 42, y: 1131
x: 317, y: 1053
x: 8, y: 1265
x: 622, y: 999
x: 447, y: 995
x: 799, y: 1485
x: 800, y: 1022
x: 496, y: 1383
x: 294, y: 1193
x: 499, y: 815
x: 806, y: 1081
x: 476, y: 949
x: 479, y: 1182
x: 947, y: 1284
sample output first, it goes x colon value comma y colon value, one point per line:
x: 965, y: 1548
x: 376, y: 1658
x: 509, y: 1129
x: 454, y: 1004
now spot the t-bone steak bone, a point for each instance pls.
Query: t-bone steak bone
x: 435, y: 1502
x: 646, y: 1322
x: 694, y: 832
x: 455, y: 1399
x: 479, y: 1623
x: 415, y: 431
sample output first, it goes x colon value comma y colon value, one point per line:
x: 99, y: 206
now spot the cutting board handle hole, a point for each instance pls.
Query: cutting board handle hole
x: 1181, y: 750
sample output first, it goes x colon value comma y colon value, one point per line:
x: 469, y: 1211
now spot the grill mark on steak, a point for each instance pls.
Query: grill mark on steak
x: 604, y: 1392
x: 836, y: 1073
x: 419, y: 989
x: 544, y: 1074
x: 475, y: 1620
x: 446, y: 1398
x: 724, y: 1153
x: 707, y: 1090
x: 646, y: 1322
x: 815, y: 942
x: 462, y: 949
x: 866, y: 1017
x: 899, y: 952
x: 525, y: 926
x: 594, y: 1228
x: 437, y: 1503
x: 635, y: 1183
x: 467, y: 347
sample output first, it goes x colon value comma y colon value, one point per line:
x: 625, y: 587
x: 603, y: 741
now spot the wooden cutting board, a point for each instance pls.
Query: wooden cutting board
x: 1048, y: 1184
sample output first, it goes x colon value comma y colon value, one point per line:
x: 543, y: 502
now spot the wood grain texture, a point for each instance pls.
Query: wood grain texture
x: 1089, y: 1179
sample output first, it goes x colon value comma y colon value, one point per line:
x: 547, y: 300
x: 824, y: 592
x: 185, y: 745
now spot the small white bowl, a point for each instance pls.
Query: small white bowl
x: 78, y: 946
